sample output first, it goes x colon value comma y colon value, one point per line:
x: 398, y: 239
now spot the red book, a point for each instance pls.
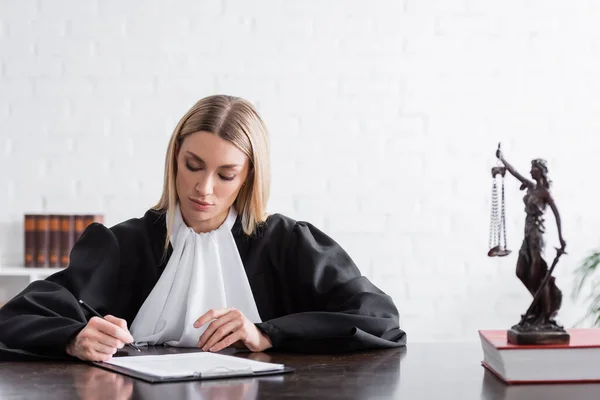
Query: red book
x: 575, y: 362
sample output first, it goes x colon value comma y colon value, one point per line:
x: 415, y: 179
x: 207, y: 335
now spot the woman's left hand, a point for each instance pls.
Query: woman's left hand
x: 230, y: 326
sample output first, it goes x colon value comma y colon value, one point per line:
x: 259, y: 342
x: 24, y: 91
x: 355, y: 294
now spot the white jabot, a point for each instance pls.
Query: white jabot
x: 204, y: 272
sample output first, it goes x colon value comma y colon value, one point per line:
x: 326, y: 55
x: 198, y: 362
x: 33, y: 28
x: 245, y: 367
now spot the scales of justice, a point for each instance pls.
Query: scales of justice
x: 537, y: 326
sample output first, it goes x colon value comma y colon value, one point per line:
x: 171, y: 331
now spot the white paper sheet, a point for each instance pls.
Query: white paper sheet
x: 192, y: 364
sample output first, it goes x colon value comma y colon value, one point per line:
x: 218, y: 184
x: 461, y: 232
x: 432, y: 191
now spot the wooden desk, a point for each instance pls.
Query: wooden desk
x: 420, y: 371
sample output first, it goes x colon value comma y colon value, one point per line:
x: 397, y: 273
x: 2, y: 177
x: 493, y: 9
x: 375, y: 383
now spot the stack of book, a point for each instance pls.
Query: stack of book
x: 574, y: 362
x: 49, y: 238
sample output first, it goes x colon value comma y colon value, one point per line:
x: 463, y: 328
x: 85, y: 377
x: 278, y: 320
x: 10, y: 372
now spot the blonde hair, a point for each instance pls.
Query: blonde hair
x: 237, y: 121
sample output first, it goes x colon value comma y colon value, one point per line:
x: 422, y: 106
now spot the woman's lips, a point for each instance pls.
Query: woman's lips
x: 201, y: 205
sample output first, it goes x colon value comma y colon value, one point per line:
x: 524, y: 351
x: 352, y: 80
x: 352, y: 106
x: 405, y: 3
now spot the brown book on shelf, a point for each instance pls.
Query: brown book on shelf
x: 91, y: 218
x: 30, y: 236
x: 54, y: 246
x: 67, y: 233
x: 42, y: 242
x: 79, y: 227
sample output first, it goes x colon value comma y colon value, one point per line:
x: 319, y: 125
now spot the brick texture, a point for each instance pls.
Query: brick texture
x: 384, y: 120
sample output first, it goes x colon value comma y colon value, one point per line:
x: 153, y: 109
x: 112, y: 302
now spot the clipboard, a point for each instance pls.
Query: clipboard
x: 220, y: 372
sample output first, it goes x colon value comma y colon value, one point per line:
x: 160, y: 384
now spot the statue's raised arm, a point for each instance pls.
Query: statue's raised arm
x: 526, y: 182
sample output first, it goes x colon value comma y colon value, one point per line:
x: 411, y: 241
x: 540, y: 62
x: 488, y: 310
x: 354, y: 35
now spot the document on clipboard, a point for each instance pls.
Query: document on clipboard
x: 189, y: 366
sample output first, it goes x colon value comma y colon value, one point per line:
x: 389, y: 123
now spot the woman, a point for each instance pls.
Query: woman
x: 206, y: 266
x: 531, y: 267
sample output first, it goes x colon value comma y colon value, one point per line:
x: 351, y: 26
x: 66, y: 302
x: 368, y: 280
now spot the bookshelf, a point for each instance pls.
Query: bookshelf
x: 13, y: 279
x: 48, y: 240
x: 33, y: 274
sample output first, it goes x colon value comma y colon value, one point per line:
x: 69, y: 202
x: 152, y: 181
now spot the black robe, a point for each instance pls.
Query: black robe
x: 310, y: 295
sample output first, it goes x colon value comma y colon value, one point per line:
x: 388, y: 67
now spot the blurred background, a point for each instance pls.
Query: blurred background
x: 384, y: 119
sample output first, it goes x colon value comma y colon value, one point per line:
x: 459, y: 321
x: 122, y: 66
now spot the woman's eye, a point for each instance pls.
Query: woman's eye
x: 195, y: 168
x: 192, y: 168
x: 227, y: 178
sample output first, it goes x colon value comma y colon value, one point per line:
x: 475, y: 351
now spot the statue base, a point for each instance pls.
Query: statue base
x: 529, y: 334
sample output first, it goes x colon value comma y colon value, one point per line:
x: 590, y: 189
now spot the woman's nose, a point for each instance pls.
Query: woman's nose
x: 205, y: 185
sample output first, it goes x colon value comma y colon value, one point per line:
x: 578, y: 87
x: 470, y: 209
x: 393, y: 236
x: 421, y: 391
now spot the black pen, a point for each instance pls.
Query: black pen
x: 94, y: 312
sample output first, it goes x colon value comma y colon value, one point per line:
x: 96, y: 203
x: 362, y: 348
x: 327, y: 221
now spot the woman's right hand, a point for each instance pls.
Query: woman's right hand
x: 499, y: 154
x: 100, y: 339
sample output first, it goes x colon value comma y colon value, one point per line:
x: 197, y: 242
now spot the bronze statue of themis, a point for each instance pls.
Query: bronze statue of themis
x: 537, y: 325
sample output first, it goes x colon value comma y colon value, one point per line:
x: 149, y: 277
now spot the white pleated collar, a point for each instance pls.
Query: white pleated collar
x: 204, y: 272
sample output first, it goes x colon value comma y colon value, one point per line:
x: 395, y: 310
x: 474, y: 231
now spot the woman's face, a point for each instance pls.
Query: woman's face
x: 210, y: 174
x: 536, y: 173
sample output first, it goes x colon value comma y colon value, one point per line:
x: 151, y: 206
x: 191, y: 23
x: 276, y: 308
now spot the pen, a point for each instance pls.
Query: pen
x: 94, y: 312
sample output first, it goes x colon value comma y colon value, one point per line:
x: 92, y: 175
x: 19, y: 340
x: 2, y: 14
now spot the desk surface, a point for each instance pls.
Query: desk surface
x: 420, y: 371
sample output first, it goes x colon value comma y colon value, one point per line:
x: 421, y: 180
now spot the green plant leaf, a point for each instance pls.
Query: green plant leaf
x: 585, y: 270
x: 583, y: 274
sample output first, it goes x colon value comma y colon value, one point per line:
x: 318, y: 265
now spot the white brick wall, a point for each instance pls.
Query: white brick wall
x: 384, y: 119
